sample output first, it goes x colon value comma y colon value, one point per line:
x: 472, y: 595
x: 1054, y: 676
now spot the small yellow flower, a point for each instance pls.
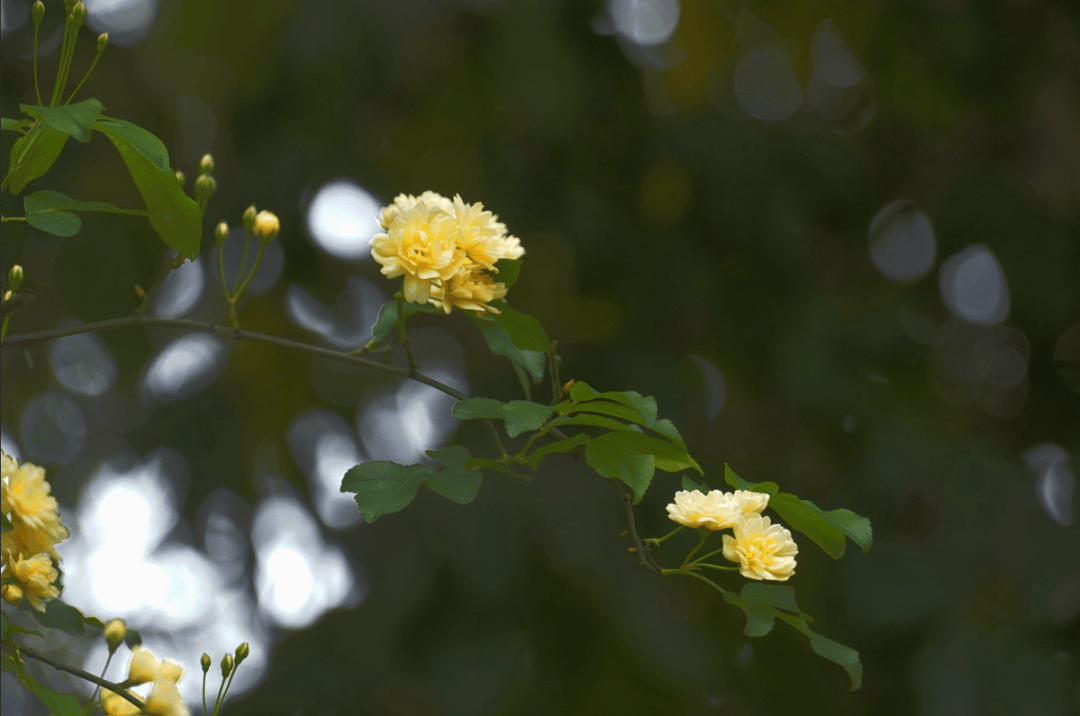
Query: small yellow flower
x: 34, y: 512
x: 115, y: 631
x: 266, y: 226
x: 405, y: 202
x: 471, y: 290
x: 419, y: 244
x: 12, y: 594
x: 36, y: 575
x: 763, y: 550
x: 164, y: 699
x: 716, y: 510
x: 114, y: 704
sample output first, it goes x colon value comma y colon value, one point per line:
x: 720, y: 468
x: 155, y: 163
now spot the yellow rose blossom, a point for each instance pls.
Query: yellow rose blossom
x: 34, y: 512
x: 164, y: 699
x: 420, y: 244
x: 480, y: 234
x: 114, y: 704
x: 12, y: 594
x: 716, y: 510
x: 470, y: 290
x: 763, y: 550
x: 405, y: 202
x: 36, y: 576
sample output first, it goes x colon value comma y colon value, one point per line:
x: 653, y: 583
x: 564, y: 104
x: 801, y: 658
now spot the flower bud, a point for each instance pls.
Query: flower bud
x: 221, y: 232
x: 15, y: 277
x: 7, y: 295
x: 38, y: 12
x: 12, y: 594
x: 102, y: 42
x: 205, y: 186
x: 226, y: 665
x: 78, y: 13
x: 206, y: 164
x: 249, y: 217
x: 242, y: 652
x: 115, y: 631
x: 180, y: 177
x: 266, y: 227
x: 205, y: 661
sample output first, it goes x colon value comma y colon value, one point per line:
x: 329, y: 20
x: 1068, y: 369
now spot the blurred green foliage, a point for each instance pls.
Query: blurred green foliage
x: 655, y: 231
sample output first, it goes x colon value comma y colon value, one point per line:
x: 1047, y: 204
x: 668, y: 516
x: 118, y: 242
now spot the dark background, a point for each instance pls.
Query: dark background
x: 661, y: 222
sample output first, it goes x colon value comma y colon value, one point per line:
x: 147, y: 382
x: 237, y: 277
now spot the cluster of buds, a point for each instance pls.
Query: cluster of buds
x: 446, y: 250
x: 205, y: 183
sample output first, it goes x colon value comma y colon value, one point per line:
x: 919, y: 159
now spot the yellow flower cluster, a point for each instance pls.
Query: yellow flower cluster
x: 27, y: 550
x: 446, y: 250
x: 164, y: 698
x: 763, y: 550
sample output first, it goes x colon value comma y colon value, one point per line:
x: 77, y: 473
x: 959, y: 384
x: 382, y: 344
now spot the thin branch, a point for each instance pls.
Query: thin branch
x: 26, y: 339
x: 19, y: 300
x: 115, y: 688
x: 640, y: 548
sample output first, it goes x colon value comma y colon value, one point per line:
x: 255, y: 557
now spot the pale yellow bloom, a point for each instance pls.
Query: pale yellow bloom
x: 12, y: 594
x: 404, y: 202
x: 763, y: 550
x: 143, y: 667
x: 470, y: 290
x: 164, y: 699
x: 114, y: 704
x: 479, y: 233
x: 34, y: 513
x: 716, y: 510
x: 36, y: 575
x: 420, y: 244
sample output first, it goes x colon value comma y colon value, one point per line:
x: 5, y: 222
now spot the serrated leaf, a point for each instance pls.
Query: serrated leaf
x: 560, y: 446
x: 142, y: 140
x: 383, y: 487
x: 834, y: 651
x: 769, y: 488
x: 645, y: 405
x: 508, y: 271
x: 500, y: 344
x: 453, y: 456
x: 475, y: 408
x: 581, y: 391
x: 458, y: 484
x: 42, y: 146
x: 605, y: 407
x: 522, y: 416
x: 174, y: 215
x: 75, y: 120
x: 856, y: 527
x: 689, y: 485
x: 667, y: 428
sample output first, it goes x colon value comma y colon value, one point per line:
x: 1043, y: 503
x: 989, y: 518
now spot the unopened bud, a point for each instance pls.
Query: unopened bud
x: 205, y: 186
x: 249, y: 217
x: 102, y: 42
x: 226, y: 665
x: 133, y: 638
x: 12, y: 594
x: 15, y: 277
x: 78, y: 13
x: 206, y: 662
x: 206, y: 164
x: 38, y: 12
x: 7, y: 295
x: 266, y: 226
x: 180, y: 177
x: 242, y: 652
x: 221, y: 232
x: 115, y: 631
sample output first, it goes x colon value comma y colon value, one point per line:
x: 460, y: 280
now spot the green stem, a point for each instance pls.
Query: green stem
x: 243, y: 260
x: 12, y: 218
x: 710, y: 554
x: 704, y: 536
x: 67, y: 54
x: 83, y: 80
x: 665, y: 538
x: 37, y: 90
x: 221, y: 270
x: 34, y: 132
x: 403, y: 336
x: 258, y: 260
x: 138, y: 319
x: 115, y: 688
x: 695, y: 565
x: 697, y: 576
x: 205, y: 712
x: 97, y: 689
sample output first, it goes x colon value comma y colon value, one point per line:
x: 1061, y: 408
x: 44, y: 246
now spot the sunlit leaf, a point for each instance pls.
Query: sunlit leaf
x: 60, y: 615
x: 50, y: 211
x: 609, y: 457
x: 57, y: 703
x: 595, y: 420
x: 75, y: 120
x: 142, y: 140
x: 32, y: 155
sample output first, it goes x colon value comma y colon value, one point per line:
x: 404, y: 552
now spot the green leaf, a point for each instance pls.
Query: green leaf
x: 75, y: 120
x: 856, y: 527
x: 458, y: 484
x: 60, y: 615
x: 41, y: 146
x: 5, y: 523
x: 760, y: 618
x: 383, y: 487
x: 775, y: 595
x: 560, y: 446
x: 835, y: 652
x: 595, y: 420
x: 474, y: 408
x: 581, y: 391
x: 143, y: 141
x: 500, y: 343
x: 57, y: 703
x: 524, y: 330
x: 605, y: 407
x: 174, y: 215
x: 769, y: 488
x: 50, y: 211
x: 521, y: 416
x: 386, y: 321
x: 6, y: 664
x: 609, y: 457
x: 689, y: 485
x: 15, y: 125
x: 453, y: 456
x: 496, y: 466
x: 667, y: 428
x: 508, y: 270
x: 645, y: 405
